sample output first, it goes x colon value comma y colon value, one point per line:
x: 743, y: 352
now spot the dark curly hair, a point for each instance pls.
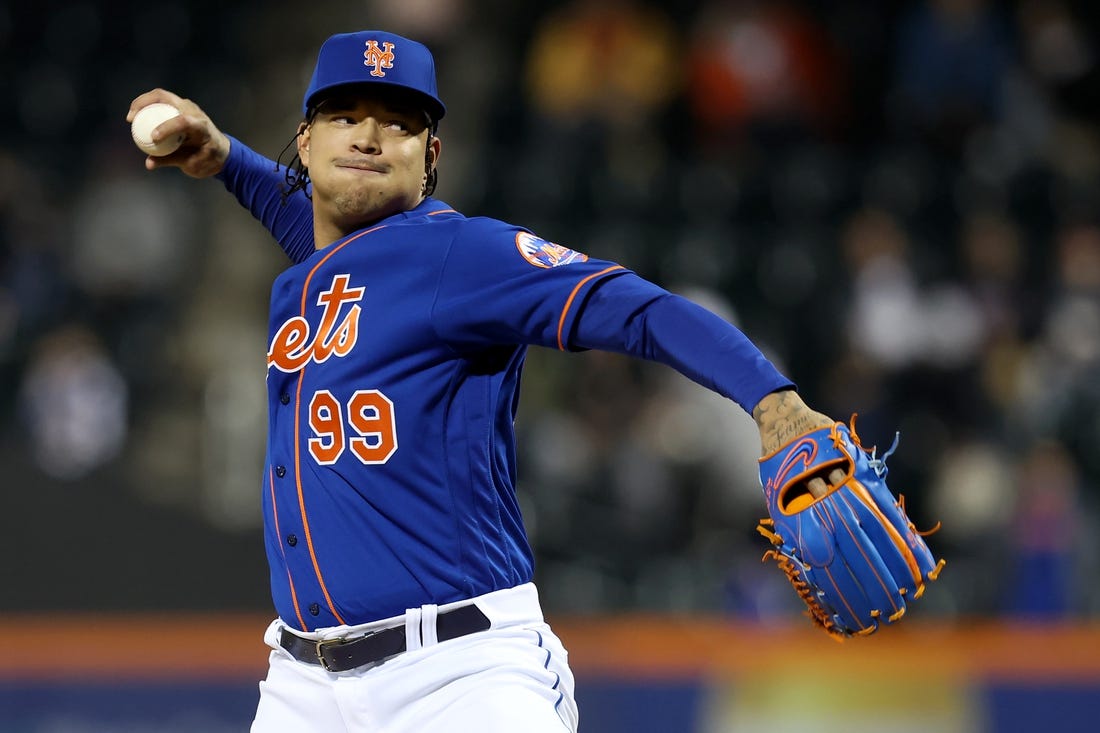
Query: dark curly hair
x: 297, y: 175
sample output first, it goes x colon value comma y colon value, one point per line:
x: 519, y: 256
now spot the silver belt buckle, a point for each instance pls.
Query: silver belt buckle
x: 325, y: 644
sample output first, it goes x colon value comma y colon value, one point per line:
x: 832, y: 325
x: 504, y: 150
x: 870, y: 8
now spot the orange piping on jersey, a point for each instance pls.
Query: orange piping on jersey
x: 301, y: 494
x: 573, y: 295
x: 441, y: 211
x: 282, y: 550
x: 345, y: 243
x: 297, y: 433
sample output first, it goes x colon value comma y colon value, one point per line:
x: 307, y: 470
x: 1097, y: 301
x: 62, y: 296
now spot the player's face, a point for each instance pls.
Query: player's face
x: 366, y: 157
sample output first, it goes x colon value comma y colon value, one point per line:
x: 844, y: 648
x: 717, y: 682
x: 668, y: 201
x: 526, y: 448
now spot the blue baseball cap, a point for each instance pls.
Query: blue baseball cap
x: 375, y: 57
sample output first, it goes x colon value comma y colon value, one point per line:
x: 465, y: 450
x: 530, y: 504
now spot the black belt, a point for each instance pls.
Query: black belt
x: 340, y: 655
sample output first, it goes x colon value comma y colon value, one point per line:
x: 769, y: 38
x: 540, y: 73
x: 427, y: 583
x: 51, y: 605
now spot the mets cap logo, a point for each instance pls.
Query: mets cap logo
x: 541, y: 253
x: 379, y: 58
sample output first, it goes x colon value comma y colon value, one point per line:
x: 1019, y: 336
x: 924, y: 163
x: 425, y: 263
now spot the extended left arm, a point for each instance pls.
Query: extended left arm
x: 630, y: 315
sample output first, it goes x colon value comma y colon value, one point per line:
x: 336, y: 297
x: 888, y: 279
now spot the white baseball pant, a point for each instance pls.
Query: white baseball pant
x: 512, y: 677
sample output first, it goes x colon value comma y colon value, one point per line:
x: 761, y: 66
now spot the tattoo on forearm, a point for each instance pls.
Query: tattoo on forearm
x: 783, y: 417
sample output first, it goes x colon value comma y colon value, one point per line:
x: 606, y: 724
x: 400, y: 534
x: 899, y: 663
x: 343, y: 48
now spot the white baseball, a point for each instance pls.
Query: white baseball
x: 146, y: 120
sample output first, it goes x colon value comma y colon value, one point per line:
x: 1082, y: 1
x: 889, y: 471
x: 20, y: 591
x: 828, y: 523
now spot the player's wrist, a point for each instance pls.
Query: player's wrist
x: 782, y: 416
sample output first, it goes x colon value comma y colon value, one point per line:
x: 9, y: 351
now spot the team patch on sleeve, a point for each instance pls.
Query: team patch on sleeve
x: 541, y: 253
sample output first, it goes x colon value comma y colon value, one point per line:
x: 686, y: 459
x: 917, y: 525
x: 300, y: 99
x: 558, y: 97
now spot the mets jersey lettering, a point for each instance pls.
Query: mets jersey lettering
x: 292, y: 348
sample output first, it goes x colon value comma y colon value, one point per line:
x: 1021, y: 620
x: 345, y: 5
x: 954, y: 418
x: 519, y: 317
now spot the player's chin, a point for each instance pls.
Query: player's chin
x: 366, y: 205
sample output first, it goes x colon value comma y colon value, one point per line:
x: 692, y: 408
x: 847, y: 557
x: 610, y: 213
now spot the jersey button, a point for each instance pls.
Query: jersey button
x: 314, y: 609
x: 280, y: 471
x: 284, y: 398
x: 292, y: 539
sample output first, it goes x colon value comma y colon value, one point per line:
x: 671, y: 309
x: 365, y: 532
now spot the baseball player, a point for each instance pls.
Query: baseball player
x: 400, y: 569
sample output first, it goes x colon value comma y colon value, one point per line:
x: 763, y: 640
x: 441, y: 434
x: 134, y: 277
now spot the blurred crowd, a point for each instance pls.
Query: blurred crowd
x: 898, y: 201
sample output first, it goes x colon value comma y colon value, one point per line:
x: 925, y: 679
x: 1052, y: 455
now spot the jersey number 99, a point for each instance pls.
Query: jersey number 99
x: 370, y: 432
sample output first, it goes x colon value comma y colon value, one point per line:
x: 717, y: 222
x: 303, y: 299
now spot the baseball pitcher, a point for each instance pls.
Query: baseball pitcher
x: 400, y: 569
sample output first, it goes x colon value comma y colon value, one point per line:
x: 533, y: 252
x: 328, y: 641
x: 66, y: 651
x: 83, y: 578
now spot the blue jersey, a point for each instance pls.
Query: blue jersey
x: 393, y: 375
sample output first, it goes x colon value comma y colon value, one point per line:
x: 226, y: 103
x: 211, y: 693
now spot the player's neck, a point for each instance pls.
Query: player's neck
x: 327, y: 230
x: 325, y: 233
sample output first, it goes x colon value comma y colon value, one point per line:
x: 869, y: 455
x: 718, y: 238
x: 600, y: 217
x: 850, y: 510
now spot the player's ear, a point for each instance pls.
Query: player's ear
x: 431, y: 154
x: 303, y: 143
x: 431, y: 158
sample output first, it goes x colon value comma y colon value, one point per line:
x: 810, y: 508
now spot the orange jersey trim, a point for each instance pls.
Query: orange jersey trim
x: 573, y: 296
x: 282, y: 550
x: 297, y: 434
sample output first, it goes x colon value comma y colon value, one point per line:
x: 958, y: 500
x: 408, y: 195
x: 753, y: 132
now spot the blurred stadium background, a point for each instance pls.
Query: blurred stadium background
x: 899, y: 201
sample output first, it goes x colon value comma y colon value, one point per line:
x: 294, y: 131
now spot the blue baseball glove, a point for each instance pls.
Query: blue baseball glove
x: 853, y: 555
